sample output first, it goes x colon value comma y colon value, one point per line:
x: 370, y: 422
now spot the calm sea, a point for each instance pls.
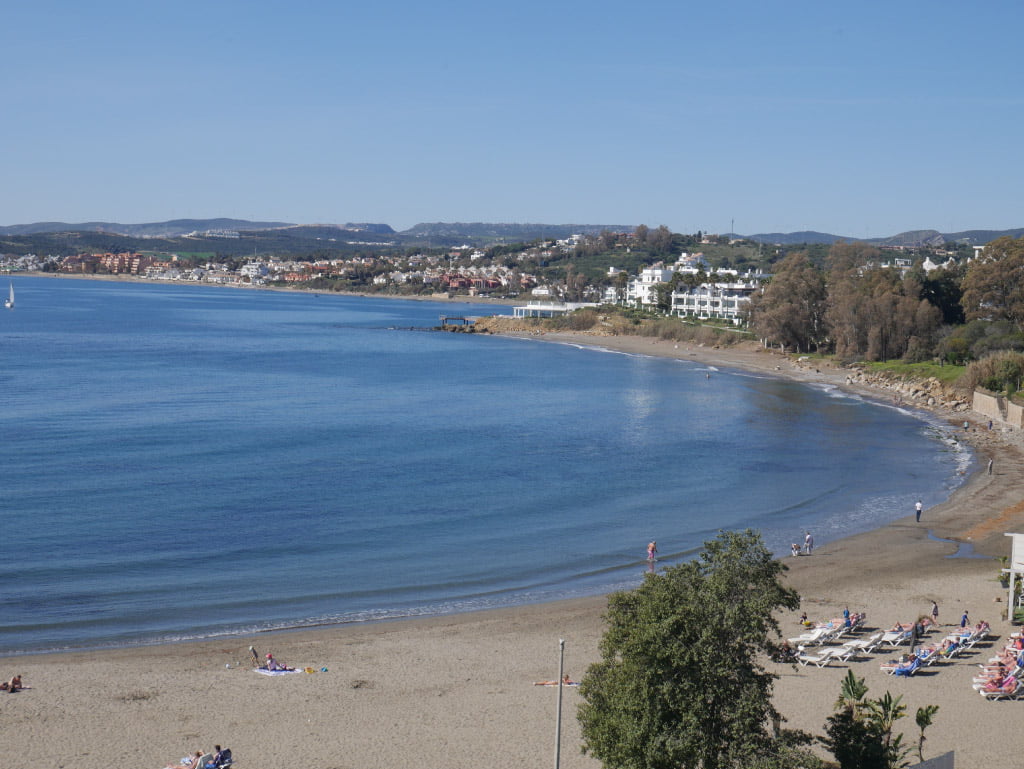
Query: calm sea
x: 181, y: 462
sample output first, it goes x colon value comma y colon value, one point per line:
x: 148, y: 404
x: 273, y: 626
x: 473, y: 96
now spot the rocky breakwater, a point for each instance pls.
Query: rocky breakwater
x: 927, y: 393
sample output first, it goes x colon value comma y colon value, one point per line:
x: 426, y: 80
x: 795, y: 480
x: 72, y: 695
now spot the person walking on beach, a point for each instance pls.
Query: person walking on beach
x: 917, y: 509
x: 808, y: 543
x: 935, y: 614
x: 964, y: 621
x: 990, y: 467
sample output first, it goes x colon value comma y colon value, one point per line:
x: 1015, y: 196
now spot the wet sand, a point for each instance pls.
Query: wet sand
x: 454, y: 692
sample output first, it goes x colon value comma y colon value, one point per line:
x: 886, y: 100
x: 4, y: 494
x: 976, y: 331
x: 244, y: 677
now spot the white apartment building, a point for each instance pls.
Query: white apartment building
x: 722, y: 300
x: 641, y: 289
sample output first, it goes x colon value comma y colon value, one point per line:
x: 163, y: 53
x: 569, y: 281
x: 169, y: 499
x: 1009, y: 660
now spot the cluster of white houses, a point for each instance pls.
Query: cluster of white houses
x: 722, y: 295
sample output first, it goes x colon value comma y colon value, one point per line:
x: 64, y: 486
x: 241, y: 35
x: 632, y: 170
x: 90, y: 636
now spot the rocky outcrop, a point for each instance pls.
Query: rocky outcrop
x: 929, y: 393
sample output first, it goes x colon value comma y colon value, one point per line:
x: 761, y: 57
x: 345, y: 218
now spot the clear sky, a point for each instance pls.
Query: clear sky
x: 859, y: 119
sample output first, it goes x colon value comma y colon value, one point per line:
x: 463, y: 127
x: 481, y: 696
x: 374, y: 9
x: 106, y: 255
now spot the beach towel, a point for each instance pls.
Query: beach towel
x: 264, y: 672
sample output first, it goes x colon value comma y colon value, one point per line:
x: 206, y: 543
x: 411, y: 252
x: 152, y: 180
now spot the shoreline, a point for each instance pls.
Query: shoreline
x: 447, y: 688
x: 625, y: 344
x: 440, y: 298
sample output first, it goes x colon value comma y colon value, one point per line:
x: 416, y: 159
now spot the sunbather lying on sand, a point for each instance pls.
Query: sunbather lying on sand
x: 189, y: 762
x: 566, y: 681
x: 12, y: 686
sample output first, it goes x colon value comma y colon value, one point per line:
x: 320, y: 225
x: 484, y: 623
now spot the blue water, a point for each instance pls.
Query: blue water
x: 183, y: 462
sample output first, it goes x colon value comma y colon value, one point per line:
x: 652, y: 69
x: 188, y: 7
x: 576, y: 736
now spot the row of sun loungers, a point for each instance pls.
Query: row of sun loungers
x: 833, y: 632
x: 1002, y: 677
x: 828, y: 632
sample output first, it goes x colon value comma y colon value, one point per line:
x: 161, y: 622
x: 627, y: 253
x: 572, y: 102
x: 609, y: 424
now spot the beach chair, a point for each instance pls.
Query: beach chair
x: 812, y: 638
x: 861, y: 646
x: 950, y: 651
x: 894, y: 638
x: 847, y: 653
x: 836, y: 633
x: 225, y: 760
x: 1012, y: 691
x: 822, y: 659
x: 925, y: 656
x: 907, y: 670
x: 975, y: 637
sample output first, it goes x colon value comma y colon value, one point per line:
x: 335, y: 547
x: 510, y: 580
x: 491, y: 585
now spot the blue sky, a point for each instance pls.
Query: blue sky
x: 857, y: 119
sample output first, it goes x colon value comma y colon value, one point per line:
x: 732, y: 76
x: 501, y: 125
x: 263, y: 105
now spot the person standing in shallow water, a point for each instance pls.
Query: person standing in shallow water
x: 652, y: 550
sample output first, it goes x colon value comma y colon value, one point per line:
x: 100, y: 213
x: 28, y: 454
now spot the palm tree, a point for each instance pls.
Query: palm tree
x: 924, y: 720
x: 851, y: 695
x: 885, y: 712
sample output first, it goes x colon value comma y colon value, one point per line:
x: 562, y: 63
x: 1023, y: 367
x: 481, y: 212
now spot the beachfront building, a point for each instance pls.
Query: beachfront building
x: 721, y: 300
x: 642, y: 290
x: 549, y: 309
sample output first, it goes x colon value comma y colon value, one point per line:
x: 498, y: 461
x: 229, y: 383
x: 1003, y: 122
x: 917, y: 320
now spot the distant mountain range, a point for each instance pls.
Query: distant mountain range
x: 911, y: 238
x: 442, y: 233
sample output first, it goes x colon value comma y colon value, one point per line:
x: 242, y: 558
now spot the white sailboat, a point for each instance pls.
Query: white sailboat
x: 9, y: 302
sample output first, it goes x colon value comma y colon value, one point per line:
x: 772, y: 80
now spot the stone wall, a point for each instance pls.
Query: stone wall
x: 1015, y: 414
x: 998, y: 408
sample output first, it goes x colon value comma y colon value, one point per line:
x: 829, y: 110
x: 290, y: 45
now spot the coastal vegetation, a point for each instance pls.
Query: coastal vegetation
x: 857, y: 309
x: 613, y: 320
x: 680, y: 682
x: 861, y: 733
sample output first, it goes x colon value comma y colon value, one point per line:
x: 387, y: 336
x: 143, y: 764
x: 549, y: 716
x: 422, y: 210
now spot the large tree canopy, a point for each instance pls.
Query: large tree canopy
x: 994, y: 284
x: 679, y: 684
x: 791, y: 309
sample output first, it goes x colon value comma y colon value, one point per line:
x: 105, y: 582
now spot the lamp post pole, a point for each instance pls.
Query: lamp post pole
x: 558, y: 717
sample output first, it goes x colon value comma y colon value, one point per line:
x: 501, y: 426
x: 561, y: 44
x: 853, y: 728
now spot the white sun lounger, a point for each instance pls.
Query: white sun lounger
x: 811, y: 638
x: 822, y: 659
x: 895, y: 637
x: 1000, y: 694
x: 862, y: 645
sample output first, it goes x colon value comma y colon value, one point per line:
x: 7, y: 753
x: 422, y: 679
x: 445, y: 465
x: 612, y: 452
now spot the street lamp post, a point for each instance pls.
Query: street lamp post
x: 558, y: 717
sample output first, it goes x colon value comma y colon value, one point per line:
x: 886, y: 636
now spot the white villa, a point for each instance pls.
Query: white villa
x: 724, y: 300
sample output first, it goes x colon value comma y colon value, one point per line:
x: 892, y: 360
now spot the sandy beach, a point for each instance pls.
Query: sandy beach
x: 454, y: 692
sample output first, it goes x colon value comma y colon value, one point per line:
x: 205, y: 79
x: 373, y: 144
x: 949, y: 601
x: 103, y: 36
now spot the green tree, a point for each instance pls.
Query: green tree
x: 660, y: 240
x: 860, y: 733
x: 679, y: 684
x: 942, y: 288
x: 884, y: 713
x: 791, y: 309
x: 994, y: 284
x: 855, y: 742
x: 924, y: 720
x: 851, y: 694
